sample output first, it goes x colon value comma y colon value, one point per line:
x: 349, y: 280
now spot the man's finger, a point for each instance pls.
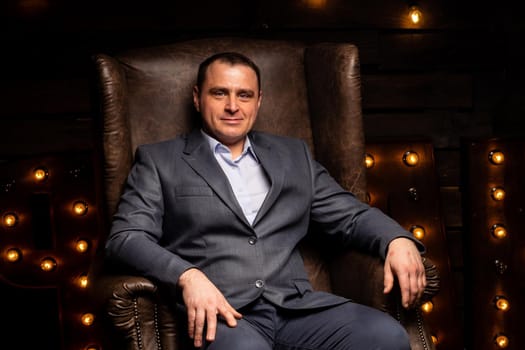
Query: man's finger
x: 414, y: 290
x: 199, y: 327
x: 191, y: 323
x: 388, y: 280
x: 404, y: 286
x: 211, y: 325
x: 230, y: 315
x: 422, y: 281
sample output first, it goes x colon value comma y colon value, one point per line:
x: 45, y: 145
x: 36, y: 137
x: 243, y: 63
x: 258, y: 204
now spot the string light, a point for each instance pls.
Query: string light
x: 497, y: 193
x: 418, y: 231
x: 40, y: 174
x: 435, y: 339
x: 369, y: 161
x: 80, y: 208
x: 87, y: 319
x: 17, y: 256
x: 10, y: 219
x: 427, y: 307
x: 501, y: 303
x: 415, y: 15
x: 496, y: 157
x: 498, y: 231
x: 82, y: 246
x: 48, y: 264
x: 501, y: 340
x: 13, y: 255
x: 82, y: 281
x: 410, y: 158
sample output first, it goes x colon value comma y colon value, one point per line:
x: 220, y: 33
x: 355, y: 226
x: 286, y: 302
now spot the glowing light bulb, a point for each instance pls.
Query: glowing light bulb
x: 40, y: 174
x: 82, y: 246
x: 10, y: 219
x: 87, y: 319
x: 498, y: 231
x: 427, y: 307
x: 418, y: 231
x: 497, y: 193
x: 369, y: 161
x: 80, y: 208
x: 435, y: 339
x: 83, y: 281
x: 501, y: 303
x: 496, y: 157
x: 13, y: 255
x: 92, y: 347
x: 415, y: 15
x: 410, y: 158
x: 48, y: 264
x: 501, y: 341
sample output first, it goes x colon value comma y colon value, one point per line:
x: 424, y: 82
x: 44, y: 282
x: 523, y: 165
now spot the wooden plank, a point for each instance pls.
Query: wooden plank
x: 353, y: 14
x: 455, y: 248
x: 366, y: 40
x: 441, y: 50
x: 451, y: 206
x: 29, y: 137
x: 448, y: 165
x: 494, y: 266
x: 444, y: 127
x: 416, y: 91
x: 44, y: 97
x: 389, y: 184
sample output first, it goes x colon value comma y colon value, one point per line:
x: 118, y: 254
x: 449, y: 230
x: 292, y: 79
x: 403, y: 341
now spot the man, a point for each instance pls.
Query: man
x: 217, y: 216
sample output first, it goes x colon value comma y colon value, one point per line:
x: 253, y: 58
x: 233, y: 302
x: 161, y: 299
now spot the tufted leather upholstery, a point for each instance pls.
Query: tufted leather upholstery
x: 311, y: 93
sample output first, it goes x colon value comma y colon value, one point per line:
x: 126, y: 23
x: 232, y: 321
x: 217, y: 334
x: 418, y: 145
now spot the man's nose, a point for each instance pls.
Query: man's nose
x: 231, y: 104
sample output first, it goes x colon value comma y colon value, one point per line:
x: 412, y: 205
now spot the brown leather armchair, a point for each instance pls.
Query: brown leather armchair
x: 310, y: 92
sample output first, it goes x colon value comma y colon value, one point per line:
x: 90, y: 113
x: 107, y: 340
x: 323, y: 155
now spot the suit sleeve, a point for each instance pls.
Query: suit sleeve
x: 353, y: 223
x: 137, y: 226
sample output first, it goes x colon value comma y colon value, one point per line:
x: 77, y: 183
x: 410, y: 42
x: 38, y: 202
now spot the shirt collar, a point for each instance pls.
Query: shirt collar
x: 215, y: 144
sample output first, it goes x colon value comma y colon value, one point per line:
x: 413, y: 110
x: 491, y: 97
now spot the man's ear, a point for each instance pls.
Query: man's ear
x: 196, y: 98
x: 259, y: 99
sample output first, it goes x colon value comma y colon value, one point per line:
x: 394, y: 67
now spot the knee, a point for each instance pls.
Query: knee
x: 241, y: 337
x: 392, y: 336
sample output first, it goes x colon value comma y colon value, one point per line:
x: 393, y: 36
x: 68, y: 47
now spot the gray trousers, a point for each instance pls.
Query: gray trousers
x: 348, y: 326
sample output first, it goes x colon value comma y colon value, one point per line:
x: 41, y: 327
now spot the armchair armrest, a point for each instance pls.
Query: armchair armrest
x: 359, y: 276
x: 132, y: 307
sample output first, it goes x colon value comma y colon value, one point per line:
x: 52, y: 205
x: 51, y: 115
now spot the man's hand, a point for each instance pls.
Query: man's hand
x: 404, y: 262
x: 204, y: 303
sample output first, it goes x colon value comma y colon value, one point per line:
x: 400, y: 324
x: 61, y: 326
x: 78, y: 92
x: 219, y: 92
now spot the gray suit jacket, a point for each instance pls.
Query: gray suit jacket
x: 178, y: 211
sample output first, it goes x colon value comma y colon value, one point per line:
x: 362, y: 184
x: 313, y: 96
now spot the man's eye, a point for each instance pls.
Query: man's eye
x: 218, y: 93
x: 245, y: 95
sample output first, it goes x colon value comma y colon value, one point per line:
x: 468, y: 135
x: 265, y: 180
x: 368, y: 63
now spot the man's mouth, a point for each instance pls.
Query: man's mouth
x: 231, y: 119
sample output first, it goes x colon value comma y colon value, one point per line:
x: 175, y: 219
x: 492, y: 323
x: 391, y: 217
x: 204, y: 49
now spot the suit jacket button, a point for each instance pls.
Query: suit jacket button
x: 252, y: 240
x: 259, y: 284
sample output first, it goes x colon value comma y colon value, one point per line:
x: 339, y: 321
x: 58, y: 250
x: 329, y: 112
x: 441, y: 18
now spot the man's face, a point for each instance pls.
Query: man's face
x: 228, y: 102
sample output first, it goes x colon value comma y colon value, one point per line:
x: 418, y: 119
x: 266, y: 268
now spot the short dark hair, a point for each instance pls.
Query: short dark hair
x: 232, y: 58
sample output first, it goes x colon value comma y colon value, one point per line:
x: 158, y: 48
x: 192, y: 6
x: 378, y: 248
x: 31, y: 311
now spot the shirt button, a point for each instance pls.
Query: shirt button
x: 252, y: 240
x: 259, y: 284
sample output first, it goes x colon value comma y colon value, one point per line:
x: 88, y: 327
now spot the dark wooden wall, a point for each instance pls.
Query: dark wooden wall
x: 456, y: 76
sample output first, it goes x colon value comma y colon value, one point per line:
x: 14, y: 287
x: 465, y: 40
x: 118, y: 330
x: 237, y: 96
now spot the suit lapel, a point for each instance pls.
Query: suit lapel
x: 199, y: 157
x: 271, y: 161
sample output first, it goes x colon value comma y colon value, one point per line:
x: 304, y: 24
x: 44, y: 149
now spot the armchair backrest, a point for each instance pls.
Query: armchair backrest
x: 309, y: 92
